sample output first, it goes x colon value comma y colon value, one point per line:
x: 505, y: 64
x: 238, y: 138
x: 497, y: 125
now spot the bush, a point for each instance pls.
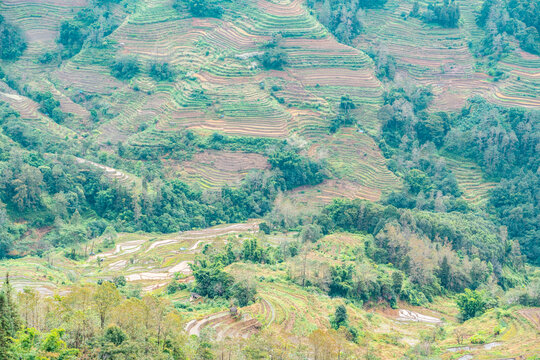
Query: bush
x: 311, y: 233
x: 274, y: 59
x: 125, y: 68
x: 162, y: 71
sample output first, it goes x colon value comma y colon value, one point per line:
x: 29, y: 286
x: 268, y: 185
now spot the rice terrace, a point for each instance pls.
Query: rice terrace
x: 269, y: 179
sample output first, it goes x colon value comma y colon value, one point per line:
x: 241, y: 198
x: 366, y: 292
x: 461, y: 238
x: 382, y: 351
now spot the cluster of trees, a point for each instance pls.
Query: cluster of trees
x: 12, y: 42
x: 445, y: 14
x: 162, y: 71
x: 274, y: 57
x: 385, y: 64
x: 418, y: 242
x: 501, y: 140
x: 504, y: 142
x: 343, y: 18
x: 429, y: 253
x: 49, y: 105
x: 201, y: 8
x: 344, y: 114
x: 91, y: 321
x: 125, y: 67
x: 503, y: 20
x: 410, y: 137
x: 89, y: 26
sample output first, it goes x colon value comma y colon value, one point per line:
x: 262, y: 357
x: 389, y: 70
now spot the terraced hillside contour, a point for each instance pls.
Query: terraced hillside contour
x: 431, y: 55
x: 222, y: 86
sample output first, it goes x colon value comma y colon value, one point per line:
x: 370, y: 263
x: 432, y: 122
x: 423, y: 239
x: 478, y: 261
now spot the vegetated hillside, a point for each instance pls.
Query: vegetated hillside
x: 386, y: 153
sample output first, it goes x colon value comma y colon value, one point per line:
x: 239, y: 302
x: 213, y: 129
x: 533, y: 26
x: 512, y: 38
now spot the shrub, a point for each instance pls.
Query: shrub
x: 274, y: 59
x: 311, y: 233
x: 162, y: 71
x: 125, y: 68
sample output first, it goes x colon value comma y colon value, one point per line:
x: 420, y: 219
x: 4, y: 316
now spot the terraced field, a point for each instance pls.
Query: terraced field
x: 147, y: 260
x: 214, y: 169
x: 222, y: 87
x: 358, y: 166
x: 440, y: 57
x: 471, y: 181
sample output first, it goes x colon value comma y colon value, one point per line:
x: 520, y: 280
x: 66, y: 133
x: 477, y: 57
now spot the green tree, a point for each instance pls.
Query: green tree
x: 340, y: 317
x: 397, y: 282
x: 311, y: 232
x: 417, y: 181
x: 105, y: 299
x: 471, y: 303
x: 211, y: 280
x: 444, y: 273
x: 10, y: 322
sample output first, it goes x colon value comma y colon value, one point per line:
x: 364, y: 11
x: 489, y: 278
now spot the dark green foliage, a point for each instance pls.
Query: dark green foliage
x: 468, y: 232
x: 265, y: 228
x: 274, y: 58
x: 417, y: 181
x: 296, y: 169
x: 344, y: 117
x: 12, y: 43
x: 89, y: 26
x: 211, y: 280
x: 445, y: 14
x: 10, y: 322
x: 509, y: 18
x: 397, y: 282
x: 340, y: 318
x: 341, y: 281
x: 342, y: 17
x: 504, y: 143
x: 244, y: 293
x: 125, y: 68
x: 6, y: 234
x: 471, y: 303
x: 72, y: 37
x: 201, y: 8
x: 49, y: 106
x: 162, y: 71
x: 444, y: 273
x: 115, y: 335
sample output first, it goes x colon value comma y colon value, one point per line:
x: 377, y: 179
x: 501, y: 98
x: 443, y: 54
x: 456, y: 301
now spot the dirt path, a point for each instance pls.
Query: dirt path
x: 269, y: 306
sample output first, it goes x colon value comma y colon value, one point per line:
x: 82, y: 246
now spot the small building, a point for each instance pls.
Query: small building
x: 195, y: 297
